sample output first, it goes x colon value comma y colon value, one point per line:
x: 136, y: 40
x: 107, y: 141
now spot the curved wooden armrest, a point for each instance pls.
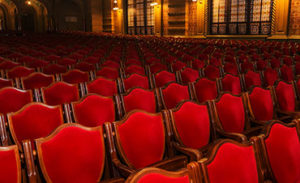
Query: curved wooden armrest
x: 293, y: 115
x: 116, y: 180
x: 123, y: 169
x: 29, y: 161
x: 3, y: 132
x: 193, y: 154
x: 236, y: 136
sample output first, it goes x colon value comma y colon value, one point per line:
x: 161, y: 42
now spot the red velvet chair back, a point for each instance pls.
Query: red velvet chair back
x: 54, y: 69
x: 212, y: 72
x: 134, y: 69
x: 205, y: 89
x: 66, y: 61
x: 247, y: 66
x: 231, y: 162
x: 85, y: 67
x: 10, y: 165
x: 271, y: 76
x: 109, y: 73
x: 189, y: 75
x: 231, y: 68
x: 33, y: 121
x: 231, y: 84
x: 18, y: 72
x: 60, y: 162
x: 191, y: 124
x: 136, y: 80
x: 231, y: 113
x: 37, y: 80
x: 60, y: 93
x: 287, y: 73
x: 156, y: 67
x: 281, y: 149
x: 285, y: 96
x: 5, y: 83
x: 140, y: 139
x: 163, y: 78
x: 7, y: 65
x: 13, y: 99
x: 173, y: 94
x: 177, y: 66
x: 103, y: 86
x: 94, y: 110
x: 252, y: 79
x: 111, y: 64
x: 75, y: 76
x: 261, y: 104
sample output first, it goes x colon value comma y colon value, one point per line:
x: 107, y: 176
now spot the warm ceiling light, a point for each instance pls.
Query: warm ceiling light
x: 115, y: 8
x: 194, y: 0
x: 28, y: 2
x: 154, y: 4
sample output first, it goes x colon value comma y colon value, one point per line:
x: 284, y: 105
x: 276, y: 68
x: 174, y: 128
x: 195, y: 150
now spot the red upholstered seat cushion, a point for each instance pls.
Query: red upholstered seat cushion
x: 66, y: 61
x: 112, y: 64
x: 10, y: 165
x: 102, y: 86
x: 140, y: 99
x: 5, y: 83
x: 35, y: 121
x: 252, y: 79
x: 54, y: 69
x: 94, y: 110
x: 287, y: 73
x: 231, y: 68
x: 163, y: 78
x: 85, y: 67
x: 13, y: 99
x: 275, y: 63
x: 142, y: 138
x: 159, y: 178
x: 19, y: 72
x: 212, y: 72
x: 206, y: 90
x: 65, y: 164
x: 232, y: 84
x: 193, y: 124
x: 154, y: 68
x: 109, y: 73
x: 271, y: 76
x: 6, y: 65
x: 285, y: 96
x: 198, y: 64
x: 261, y: 65
x: 75, y: 77
x: 247, y: 66
x: 233, y: 164
x: 37, y: 80
x: 178, y: 66
x: 136, y: 80
x: 135, y: 69
x: 175, y: 93
x: 189, y: 75
x: 231, y: 113
x: 261, y: 104
x: 60, y: 93
x: 283, y: 149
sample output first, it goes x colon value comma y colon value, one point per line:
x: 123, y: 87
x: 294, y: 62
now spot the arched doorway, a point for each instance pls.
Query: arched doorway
x: 28, y: 19
x: 2, y: 19
x: 7, y: 15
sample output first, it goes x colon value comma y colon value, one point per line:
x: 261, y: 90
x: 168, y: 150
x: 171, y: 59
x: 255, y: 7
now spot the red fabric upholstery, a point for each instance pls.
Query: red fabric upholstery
x: 133, y: 61
x: 60, y: 93
x: 189, y: 75
x: 163, y: 78
x: 193, y: 124
x: 287, y: 61
x: 233, y: 164
x: 275, y: 63
x: 298, y: 85
x: 297, y: 68
x: 136, y: 80
x: 178, y: 66
x: 135, y: 69
x: 285, y: 96
x: 212, y: 72
x: 75, y: 77
x: 35, y: 121
x: 142, y: 139
x: 231, y: 68
x: 37, y: 80
x: 94, y: 111
x: 85, y: 67
x: 155, y: 177
x: 140, y: 99
x: 283, y: 149
x: 7, y: 65
x: 247, y: 66
x: 252, y: 79
x: 231, y: 113
x: 13, y: 99
x: 5, y: 83
x: 175, y: 93
x: 157, y: 67
x: 232, y: 84
x: 261, y: 104
x: 54, y: 69
x: 261, y: 65
x: 111, y: 64
x: 198, y: 64
x: 271, y: 76
x: 19, y: 72
x: 206, y: 90
x: 10, y: 165
x: 66, y: 61
x: 102, y: 86
x: 108, y: 72
x: 64, y: 164
x: 287, y: 73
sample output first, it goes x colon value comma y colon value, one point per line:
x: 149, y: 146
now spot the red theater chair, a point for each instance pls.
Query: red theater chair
x: 134, y: 69
x: 54, y: 69
x: 279, y: 150
x: 141, y: 99
x: 33, y: 121
x: 187, y: 75
x: 287, y: 73
x: 75, y: 77
x: 173, y: 93
x: 177, y: 66
x: 36, y: 80
x: 232, y: 162
x: 107, y: 72
x: 212, y: 72
x: 251, y: 79
x: 275, y: 63
x: 205, y: 89
x: 58, y: 161
x: 11, y: 171
x: 141, y: 141
x: 111, y: 64
x: 193, y: 128
x: 231, y: 68
x: 135, y: 80
x: 18, y: 72
x: 85, y: 67
x: 155, y: 68
x: 247, y: 66
x: 103, y: 86
x: 6, y: 83
x: 270, y: 76
x: 66, y: 61
x: 162, y: 78
x: 94, y: 110
x: 231, y: 83
x: 7, y: 65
